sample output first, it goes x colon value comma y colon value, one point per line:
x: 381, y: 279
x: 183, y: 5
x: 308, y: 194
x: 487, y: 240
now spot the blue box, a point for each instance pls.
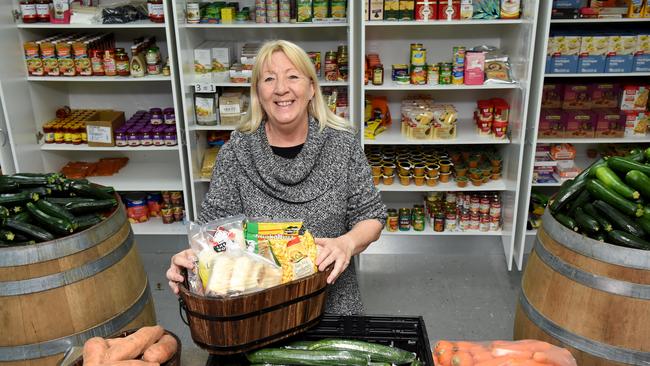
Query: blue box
x: 591, y: 64
x: 547, y: 69
x: 564, y: 65
x: 641, y: 63
x: 619, y: 63
x: 566, y: 4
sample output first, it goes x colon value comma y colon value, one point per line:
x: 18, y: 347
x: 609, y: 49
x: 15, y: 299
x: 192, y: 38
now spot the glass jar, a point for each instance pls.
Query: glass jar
x: 156, y: 116
x: 153, y: 55
x: 109, y: 63
x: 28, y: 11
x: 170, y: 136
x: 122, y: 62
x: 97, y: 62
x: 169, y: 116
x: 156, y: 11
x: 120, y: 137
x: 43, y: 8
x: 133, y: 137
x: 159, y: 136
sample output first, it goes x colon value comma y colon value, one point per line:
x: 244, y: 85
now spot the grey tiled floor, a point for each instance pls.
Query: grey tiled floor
x: 460, y: 295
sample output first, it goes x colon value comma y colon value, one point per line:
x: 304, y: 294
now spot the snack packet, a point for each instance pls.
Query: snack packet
x: 237, y: 272
x: 297, y: 256
x: 259, y: 231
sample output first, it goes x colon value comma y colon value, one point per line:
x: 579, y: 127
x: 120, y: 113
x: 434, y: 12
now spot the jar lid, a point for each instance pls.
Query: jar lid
x: 155, y: 111
x: 169, y: 110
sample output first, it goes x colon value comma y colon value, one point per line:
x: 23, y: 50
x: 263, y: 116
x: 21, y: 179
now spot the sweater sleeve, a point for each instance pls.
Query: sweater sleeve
x: 223, y: 197
x: 364, y: 201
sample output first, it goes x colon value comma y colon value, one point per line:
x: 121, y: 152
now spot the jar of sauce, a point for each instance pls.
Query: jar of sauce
x: 28, y: 11
x: 122, y: 62
x: 170, y: 136
x: 43, y: 8
x: 169, y: 116
x: 109, y: 63
x: 97, y: 62
x: 156, y: 11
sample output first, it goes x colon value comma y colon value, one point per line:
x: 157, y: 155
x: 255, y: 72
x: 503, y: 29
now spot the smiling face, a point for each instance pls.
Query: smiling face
x: 284, y: 91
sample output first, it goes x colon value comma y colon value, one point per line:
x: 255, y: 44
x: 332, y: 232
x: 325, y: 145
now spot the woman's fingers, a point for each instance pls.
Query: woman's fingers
x: 174, y: 286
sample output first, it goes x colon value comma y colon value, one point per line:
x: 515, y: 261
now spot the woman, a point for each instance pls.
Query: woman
x: 295, y: 159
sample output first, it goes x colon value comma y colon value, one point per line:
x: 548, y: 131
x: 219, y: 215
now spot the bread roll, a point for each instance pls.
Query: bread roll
x: 221, y: 274
x: 242, y: 268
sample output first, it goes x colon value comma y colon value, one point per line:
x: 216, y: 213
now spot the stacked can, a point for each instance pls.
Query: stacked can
x: 272, y: 15
x: 433, y: 74
x: 331, y: 66
x: 285, y: 11
x: 458, y: 71
x: 445, y: 73
x: 392, y: 220
x: 260, y: 11
x: 418, y: 70
x: 342, y: 63
x: 457, y: 211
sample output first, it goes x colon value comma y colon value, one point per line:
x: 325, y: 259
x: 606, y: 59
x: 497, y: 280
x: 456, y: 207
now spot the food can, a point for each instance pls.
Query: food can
x: 450, y: 221
x: 495, y: 223
x: 475, y: 203
x: 192, y: 13
x: 404, y: 219
x: 484, y: 223
x: 450, y: 197
x: 392, y: 221
x: 495, y: 208
x: 418, y: 219
x: 418, y: 55
x: 433, y: 74
x: 439, y: 222
x: 459, y: 56
x: 484, y: 205
x: 418, y: 75
x: 474, y: 221
x: 465, y: 221
x: 399, y: 70
x: 458, y: 77
x: 445, y: 76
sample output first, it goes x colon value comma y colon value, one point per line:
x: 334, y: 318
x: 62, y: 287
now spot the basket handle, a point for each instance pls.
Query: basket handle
x: 181, y: 307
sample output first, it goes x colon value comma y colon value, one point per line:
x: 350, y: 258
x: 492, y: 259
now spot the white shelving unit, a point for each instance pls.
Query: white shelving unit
x: 318, y: 37
x: 31, y: 101
x: 515, y: 37
x: 155, y: 227
x: 544, y: 25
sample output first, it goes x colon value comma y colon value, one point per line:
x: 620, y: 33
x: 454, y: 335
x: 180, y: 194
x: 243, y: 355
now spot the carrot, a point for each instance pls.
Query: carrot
x: 483, y: 356
x: 499, y: 361
x: 523, y: 345
x: 464, y: 346
x: 555, y: 357
x: 478, y: 349
x: 513, y: 353
x: 462, y: 358
x: 94, y: 351
x: 131, y: 363
x: 444, y: 357
x: 162, y: 350
x: 131, y: 346
x: 442, y: 346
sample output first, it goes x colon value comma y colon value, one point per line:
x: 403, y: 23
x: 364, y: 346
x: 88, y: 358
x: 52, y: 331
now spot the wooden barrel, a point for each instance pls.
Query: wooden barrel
x: 60, y: 293
x: 590, y: 297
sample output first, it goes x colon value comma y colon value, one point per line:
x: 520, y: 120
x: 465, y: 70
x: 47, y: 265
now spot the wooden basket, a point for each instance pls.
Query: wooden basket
x: 225, y: 326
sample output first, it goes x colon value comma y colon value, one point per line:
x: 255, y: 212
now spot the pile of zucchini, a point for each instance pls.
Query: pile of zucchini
x: 328, y: 352
x: 41, y: 207
x: 609, y: 201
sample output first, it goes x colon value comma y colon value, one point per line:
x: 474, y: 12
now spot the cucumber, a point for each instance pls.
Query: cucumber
x: 377, y: 352
x: 7, y: 186
x: 589, y: 171
x: 88, y: 207
x: 646, y: 153
x: 580, y: 201
x: 618, y: 220
x: 599, y: 191
x: 65, y: 200
x: 52, y: 223
x: 55, y: 210
x: 586, y: 222
x: 644, y: 223
x: 304, y: 345
x: 87, y: 190
x: 566, y: 195
x: 34, y: 179
x: 42, y: 191
x: 309, y: 358
x: 86, y: 221
x: 29, y: 230
x: 635, y: 155
x: 21, y: 216
x: 6, y: 235
x: 627, y: 240
x: 566, y: 221
x: 623, y: 165
x: 640, y: 181
x: 4, y: 212
x: 11, y: 200
x: 612, y: 181
x: 591, y: 211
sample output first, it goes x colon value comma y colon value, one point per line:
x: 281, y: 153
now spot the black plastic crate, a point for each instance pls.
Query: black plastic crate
x: 407, y: 333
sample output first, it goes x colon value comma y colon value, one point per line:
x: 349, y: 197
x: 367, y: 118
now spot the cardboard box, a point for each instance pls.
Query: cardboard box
x: 636, y: 123
x: 580, y: 124
x: 641, y: 61
x: 620, y: 53
x: 391, y: 9
x: 376, y: 11
x: 634, y: 98
x: 551, y: 123
x: 576, y: 96
x: 605, y: 95
x: 566, y: 48
x: 426, y: 10
x: 552, y: 95
x: 202, y: 63
x: 100, y: 127
x: 406, y: 9
x: 593, y: 51
x: 566, y: 4
x: 610, y: 123
x: 449, y: 9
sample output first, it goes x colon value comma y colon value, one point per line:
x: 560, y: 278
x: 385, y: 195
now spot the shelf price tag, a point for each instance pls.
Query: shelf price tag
x: 204, y: 88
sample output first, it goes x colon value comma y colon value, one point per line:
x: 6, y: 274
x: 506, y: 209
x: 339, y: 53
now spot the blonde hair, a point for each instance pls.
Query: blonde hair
x: 298, y: 57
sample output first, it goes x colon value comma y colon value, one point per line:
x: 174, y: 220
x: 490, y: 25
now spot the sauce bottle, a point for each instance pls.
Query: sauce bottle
x: 109, y: 63
x: 137, y: 62
x: 43, y: 8
x: 97, y: 62
x: 156, y: 11
x: 28, y: 11
x: 122, y: 62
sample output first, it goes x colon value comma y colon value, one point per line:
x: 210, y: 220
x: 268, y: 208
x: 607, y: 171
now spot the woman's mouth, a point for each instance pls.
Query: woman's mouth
x: 284, y: 103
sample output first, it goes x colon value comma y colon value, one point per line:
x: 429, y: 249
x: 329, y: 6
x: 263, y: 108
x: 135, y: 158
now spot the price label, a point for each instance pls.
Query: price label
x: 204, y: 88
x: 99, y: 134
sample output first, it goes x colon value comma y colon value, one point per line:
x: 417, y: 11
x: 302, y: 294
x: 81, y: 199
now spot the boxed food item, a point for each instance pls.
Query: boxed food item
x: 636, y: 123
x: 406, y: 9
x: 304, y: 9
x: 610, y: 123
x: 426, y: 10
x: 101, y: 126
x: 376, y: 10
x: 551, y: 123
x: 577, y: 96
x: 634, y: 98
x: 567, y: 169
x: 593, y: 51
x: 203, y: 63
x: 566, y: 4
x: 231, y: 108
x: 605, y: 95
x: 391, y: 9
x: 567, y: 49
x: 562, y: 152
x: 641, y: 61
x: 220, y: 60
x: 474, y: 68
x: 620, y: 53
x: 552, y: 95
x: 449, y: 9
x: 580, y: 124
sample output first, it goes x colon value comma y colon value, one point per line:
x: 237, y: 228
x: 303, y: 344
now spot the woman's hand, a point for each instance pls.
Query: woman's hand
x: 334, y: 250
x: 184, y: 259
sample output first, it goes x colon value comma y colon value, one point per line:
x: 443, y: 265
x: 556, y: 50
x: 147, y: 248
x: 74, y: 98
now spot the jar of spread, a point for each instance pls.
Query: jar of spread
x: 170, y: 136
x: 159, y: 136
x: 122, y: 62
x: 156, y: 11
x: 43, y: 8
x: 156, y: 116
x: 169, y: 116
x: 120, y: 136
x: 28, y: 11
x: 133, y: 136
x: 147, y: 136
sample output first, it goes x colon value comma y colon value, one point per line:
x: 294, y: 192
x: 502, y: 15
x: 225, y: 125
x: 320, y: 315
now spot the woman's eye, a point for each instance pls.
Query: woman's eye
x: 294, y: 77
x: 268, y: 79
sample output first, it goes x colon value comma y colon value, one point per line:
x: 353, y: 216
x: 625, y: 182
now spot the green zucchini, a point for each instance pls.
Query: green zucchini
x: 65, y: 200
x: 87, y: 190
x: 21, y: 216
x: 566, y: 221
x: 377, y: 352
x: 54, y: 210
x: 10, y: 200
x: 635, y: 155
x: 644, y: 223
x: 565, y: 196
x: 586, y: 222
x: 599, y: 191
x: 88, y: 207
x: 600, y: 236
x: 618, y: 220
x: 52, y: 223
x: 309, y: 358
x: 29, y: 230
x: 86, y: 221
x: 603, y: 222
x: 34, y: 179
x: 7, y: 186
x: 580, y: 201
x: 4, y: 212
x: 416, y: 362
x: 640, y: 181
x: 623, y: 165
x: 619, y: 237
x: 588, y: 172
x: 304, y: 345
x: 612, y: 181
x: 42, y: 191
x: 6, y: 235
x: 646, y: 153
x: 6, y: 244
x: 539, y: 198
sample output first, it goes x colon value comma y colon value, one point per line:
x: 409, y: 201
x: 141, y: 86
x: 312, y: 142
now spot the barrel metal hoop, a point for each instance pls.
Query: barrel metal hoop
x: 598, y: 349
x: 608, y: 253
x: 605, y: 284
x: 63, y: 247
x: 38, y: 284
x: 60, y: 345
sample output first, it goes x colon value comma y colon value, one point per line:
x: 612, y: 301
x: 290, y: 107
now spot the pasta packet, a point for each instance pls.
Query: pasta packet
x: 297, y: 256
x: 258, y: 233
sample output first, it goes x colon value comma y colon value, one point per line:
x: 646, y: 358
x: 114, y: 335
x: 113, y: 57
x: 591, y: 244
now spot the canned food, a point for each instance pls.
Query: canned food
x: 495, y: 209
x: 433, y: 74
x: 465, y: 221
x: 484, y: 205
x: 484, y: 223
x: 450, y: 197
x: 475, y: 203
x: 495, y: 223
x: 418, y: 56
x: 418, y: 220
x: 450, y: 222
x: 475, y: 221
x: 404, y: 219
x: 392, y: 221
x: 439, y: 222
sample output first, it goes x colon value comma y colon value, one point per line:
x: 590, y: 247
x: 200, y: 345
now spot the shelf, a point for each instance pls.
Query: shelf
x: 145, y: 24
x: 599, y: 75
x: 531, y: 232
x: 69, y: 147
x: 388, y: 23
x: 620, y: 140
x: 392, y: 86
x: 599, y: 20
x: 144, y: 177
x: 247, y: 85
x: 465, y: 135
x: 212, y: 128
x: 155, y: 227
x: 429, y: 232
x: 492, y: 185
x: 202, y: 180
x: 253, y: 25
x: 99, y: 78
x: 556, y: 184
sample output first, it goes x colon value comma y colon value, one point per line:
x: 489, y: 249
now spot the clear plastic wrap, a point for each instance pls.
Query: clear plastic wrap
x: 527, y: 352
x: 124, y: 12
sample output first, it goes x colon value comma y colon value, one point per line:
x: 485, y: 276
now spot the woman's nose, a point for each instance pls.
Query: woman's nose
x: 280, y: 86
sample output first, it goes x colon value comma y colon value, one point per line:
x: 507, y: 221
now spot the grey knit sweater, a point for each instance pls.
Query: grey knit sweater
x: 328, y: 186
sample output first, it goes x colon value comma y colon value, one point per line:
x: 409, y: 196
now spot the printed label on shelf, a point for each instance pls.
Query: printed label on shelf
x: 204, y: 88
x: 99, y: 134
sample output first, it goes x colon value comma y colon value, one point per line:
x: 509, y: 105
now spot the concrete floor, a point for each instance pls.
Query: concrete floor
x: 466, y: 293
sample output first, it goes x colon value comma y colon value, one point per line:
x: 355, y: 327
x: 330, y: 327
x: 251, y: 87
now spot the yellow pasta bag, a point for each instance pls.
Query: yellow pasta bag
x: 297, y: 256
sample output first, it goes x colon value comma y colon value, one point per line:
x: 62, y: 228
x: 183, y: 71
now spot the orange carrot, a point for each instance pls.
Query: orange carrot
x: 94, y: 351
x: 134, y: 344
x: 462, y: 358
x: 513, y: 353
x: 483, y: 356
x: 499, y: 361
x: 523, y: 345
x: 162, y: 350
x: 478, y: 349
x: 442, y: 346
x: 555, y: 357
x: 464, y: 346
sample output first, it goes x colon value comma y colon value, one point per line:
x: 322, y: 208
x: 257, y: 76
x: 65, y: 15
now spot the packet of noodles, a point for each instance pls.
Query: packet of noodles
x: 296, y: 256
x: 259, y: 232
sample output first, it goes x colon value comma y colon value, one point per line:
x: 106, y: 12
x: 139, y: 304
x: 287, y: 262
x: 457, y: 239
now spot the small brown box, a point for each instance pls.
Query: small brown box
x: 100, y: 127
x: 376, y: 10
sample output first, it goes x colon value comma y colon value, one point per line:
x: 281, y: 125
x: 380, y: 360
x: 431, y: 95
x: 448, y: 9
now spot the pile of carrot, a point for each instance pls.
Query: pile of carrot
x: 501, y: 353
x: 148, y: 346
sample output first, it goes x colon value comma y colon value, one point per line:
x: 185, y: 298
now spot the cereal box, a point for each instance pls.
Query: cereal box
x: 406, y: 9
x: 634, y: 98
x: 610, y: 123
x: 552, y: 95
x: 605, y: 95
x: 593, y: 51
x: 579, y: 124
x: 636, y: 123
x: 426, y: 10
x: 449, y: 9
x: 641, y: 62
x: 551, y: 123
x: 577, y: 96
